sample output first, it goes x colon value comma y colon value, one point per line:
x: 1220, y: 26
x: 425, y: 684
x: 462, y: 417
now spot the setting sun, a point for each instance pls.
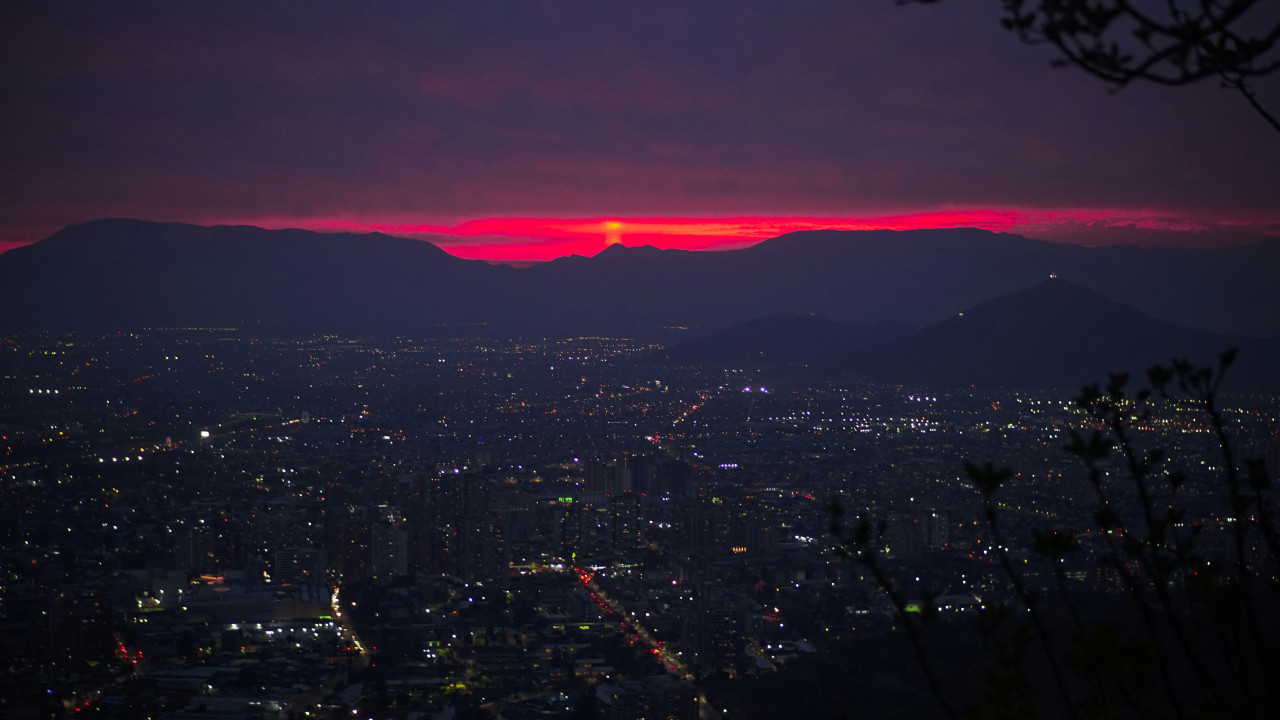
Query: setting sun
x: 612, y: 232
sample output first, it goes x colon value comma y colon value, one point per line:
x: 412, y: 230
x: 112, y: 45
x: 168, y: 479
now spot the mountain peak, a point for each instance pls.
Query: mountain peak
x: 1054, y: 295
x: 1052, y: 333
x: 618, y: 250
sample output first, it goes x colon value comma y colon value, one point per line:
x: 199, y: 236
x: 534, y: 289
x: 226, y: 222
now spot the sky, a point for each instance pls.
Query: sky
x: 529, y: 130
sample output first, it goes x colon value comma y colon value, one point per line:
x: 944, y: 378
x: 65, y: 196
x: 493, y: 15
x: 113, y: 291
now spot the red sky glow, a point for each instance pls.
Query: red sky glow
x: 517, y: 131
x: 540, y: 239
x: 525, y: 239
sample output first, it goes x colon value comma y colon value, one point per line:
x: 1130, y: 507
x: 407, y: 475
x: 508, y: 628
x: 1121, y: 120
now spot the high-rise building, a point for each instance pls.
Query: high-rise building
x: 389, y: 550
x: 298, y: 565
x: 719, y: 639
x: 626, y: 521
x: 347, y: 535
x: 209, y: 546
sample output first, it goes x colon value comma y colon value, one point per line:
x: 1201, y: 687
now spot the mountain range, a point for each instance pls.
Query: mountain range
x: 830, y: 299
x: 1054, y: 334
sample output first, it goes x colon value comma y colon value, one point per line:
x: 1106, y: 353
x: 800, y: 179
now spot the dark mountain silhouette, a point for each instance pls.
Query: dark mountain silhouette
x: 123, y: 274
x: 1057, y: 334
x: 774, y: 341
x: 917, y: 277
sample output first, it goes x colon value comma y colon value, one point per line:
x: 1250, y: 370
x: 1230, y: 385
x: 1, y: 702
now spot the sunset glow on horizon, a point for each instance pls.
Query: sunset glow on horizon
x: 531, y: 239
x: 542, y: 239
x: 529, y: 133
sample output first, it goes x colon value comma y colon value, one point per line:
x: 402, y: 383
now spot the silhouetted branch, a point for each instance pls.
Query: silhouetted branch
x: 1120, y: 43
x: 857, y: 541
x: 988, y: 479
x: 1153, y: 553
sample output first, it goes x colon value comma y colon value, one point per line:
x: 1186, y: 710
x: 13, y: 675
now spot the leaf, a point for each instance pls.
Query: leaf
x: 1091, y: 450
x: 1116, y: 383
x: 988, y: 478
x: 1256, y: 473
x: 1159, y: 376
x: 1053, y: 543
x: 929, y: 605
x: 1106, y: 518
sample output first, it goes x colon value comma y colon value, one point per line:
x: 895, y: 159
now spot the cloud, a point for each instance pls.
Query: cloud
x: 442, y: 113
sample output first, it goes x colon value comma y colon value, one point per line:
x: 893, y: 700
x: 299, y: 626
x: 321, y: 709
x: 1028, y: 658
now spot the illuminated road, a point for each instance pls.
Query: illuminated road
x: 348, y: 630
x: 672, y: 662
x: 639, y: 632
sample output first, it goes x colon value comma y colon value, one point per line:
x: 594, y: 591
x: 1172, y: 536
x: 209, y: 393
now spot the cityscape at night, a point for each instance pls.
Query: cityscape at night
x: 203, y: 521
x: 729, y: 360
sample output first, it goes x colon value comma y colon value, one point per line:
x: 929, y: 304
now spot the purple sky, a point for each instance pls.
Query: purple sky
x: 439, y: 117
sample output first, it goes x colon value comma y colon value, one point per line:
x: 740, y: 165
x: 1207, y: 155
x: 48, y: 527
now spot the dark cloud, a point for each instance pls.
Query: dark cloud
x: 449, y: 111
